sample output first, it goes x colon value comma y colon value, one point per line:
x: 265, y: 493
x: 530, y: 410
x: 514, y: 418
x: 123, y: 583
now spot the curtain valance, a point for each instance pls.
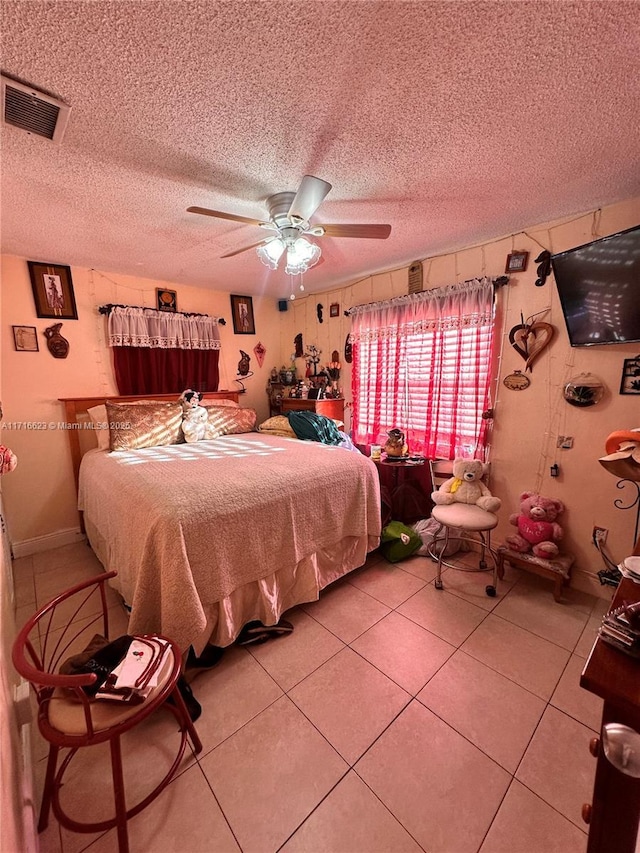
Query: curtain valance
x: 147, y: 327
x: 454, y: 307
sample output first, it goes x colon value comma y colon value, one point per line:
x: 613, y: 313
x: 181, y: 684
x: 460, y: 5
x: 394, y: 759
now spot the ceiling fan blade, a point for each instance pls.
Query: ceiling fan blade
x: 306, y: 201
x: 377, y: 232
x: 220, y: 215
x: 243, y: 249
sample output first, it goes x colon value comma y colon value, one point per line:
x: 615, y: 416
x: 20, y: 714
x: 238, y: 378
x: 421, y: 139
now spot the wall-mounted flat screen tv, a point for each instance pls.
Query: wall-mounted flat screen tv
x: 599, y: 289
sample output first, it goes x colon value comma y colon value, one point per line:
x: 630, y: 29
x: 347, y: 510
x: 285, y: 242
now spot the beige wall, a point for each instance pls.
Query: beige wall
x: 527, y: 423
x: 39, y: 495
x: 17, y: 819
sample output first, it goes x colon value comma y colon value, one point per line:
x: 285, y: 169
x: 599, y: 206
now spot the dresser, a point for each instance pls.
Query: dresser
x: 329, y: 408
x: 614, y: 813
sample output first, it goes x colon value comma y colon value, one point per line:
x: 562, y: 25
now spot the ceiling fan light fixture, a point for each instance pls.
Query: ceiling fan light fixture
x: 271, y: 252
x: 301, y: 255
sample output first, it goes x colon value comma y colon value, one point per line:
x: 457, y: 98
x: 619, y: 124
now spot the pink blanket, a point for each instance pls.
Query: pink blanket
x: 186, y: 525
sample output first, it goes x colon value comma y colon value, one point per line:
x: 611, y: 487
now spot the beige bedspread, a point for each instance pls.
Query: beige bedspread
x: 186, y: 525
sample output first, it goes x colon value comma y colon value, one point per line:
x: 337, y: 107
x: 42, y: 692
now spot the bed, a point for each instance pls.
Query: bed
x: 211, y: 535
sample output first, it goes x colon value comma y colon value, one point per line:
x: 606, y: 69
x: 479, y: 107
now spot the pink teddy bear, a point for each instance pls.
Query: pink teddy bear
x: 537, y: 528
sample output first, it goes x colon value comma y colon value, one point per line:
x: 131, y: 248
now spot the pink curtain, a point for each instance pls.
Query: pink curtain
x: 422, y: 363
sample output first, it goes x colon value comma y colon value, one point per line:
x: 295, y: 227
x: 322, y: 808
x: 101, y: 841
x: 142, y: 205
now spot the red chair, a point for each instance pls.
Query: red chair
x: 69, y: 718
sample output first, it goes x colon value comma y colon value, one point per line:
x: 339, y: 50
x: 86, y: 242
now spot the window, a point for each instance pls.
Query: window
x: 155, y: 352
x: 422, y: 363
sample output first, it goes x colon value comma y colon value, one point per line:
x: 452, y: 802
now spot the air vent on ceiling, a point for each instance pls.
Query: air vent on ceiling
x: 415, y: 277
x: 33, y: 111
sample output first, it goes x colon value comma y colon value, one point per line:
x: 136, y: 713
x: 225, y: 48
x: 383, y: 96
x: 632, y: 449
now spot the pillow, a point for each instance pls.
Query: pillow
x: 277, y: 425
x: 136, y: 425
x: 98, y: 416
x: 227, y: 420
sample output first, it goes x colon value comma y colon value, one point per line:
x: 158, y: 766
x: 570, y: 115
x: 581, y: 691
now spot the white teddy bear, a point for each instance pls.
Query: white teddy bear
x: 466, y: 487
x: 194, y: 416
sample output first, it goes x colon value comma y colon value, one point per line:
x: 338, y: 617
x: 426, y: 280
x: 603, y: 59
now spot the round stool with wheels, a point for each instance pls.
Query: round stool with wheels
x: 477, y: 525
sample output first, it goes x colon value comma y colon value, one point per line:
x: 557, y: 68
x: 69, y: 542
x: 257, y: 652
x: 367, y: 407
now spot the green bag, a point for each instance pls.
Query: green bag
x: 397, y: 541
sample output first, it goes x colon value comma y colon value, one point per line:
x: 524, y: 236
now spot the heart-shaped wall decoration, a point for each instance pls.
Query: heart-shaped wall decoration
x: 529, y: 341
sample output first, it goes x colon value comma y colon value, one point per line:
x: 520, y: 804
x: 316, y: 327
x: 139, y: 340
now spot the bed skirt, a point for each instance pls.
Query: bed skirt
x: 269, y: 598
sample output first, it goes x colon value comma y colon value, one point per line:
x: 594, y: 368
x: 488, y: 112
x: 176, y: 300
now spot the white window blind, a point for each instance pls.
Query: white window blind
x: 425, y: 368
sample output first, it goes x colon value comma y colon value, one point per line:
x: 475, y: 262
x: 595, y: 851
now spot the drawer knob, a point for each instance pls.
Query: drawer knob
x: 586, y: 812
x: 622, y: 748
x: 594, y: 746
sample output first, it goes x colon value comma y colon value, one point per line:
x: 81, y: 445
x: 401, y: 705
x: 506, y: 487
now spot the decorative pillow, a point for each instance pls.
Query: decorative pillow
x: 98, y: 416
x: 226, y: 420
x: 132, y: 426
x: 277, y: 425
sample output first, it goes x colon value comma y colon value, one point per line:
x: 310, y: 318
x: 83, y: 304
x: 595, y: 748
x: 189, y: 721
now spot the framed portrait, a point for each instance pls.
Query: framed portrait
x: 25, y: 339
x: 242, y: 313
x: 334, y: 309
x: 166, y: 300
x: 517, y: 262
x: 630, y: 383
x: 52, y: 291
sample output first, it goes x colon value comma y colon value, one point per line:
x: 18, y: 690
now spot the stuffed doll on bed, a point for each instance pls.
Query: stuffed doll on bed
x: 194, y: 416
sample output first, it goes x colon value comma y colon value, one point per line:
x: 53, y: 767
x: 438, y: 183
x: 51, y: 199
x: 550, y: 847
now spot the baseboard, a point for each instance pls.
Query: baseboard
x: 587, y: 582
x: 46, y: 543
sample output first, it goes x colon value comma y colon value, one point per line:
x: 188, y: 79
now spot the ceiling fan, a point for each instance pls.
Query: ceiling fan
x: 289, y: 215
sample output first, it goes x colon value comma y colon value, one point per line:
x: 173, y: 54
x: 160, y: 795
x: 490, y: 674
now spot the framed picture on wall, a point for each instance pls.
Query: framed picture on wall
x: 517, y: 262
x: 630, y: 383
x: 52, y: 291
x: 166, y: 300
x: 242, y: 313
x: 25, y: 339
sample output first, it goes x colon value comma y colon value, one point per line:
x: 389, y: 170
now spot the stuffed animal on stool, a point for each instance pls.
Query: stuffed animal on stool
x: 194, y: 416
x: 466, y: 487
x: 538, y: 530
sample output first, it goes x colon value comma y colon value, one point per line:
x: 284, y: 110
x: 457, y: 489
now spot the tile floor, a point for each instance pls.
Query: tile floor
x: 396, y: 718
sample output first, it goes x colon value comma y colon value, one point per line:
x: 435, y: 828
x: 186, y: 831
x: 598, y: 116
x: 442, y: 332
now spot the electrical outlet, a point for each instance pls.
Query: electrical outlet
x: 599, y: 535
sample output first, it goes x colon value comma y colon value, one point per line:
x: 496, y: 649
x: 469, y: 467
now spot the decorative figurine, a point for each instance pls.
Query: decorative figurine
x: 395, y: 445
x: 56, y: 344
x: 243, y: 370
x: 313, y: 360
x: 243, y: 364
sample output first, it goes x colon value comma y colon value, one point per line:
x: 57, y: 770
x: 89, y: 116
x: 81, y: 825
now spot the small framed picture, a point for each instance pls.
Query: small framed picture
x: 52, y: 291
x: 517, y: 262
x: 334, y: 309
x: 242, y: 313
x: 166, y: 300
x: 630, y: 383
x: 25, y: 339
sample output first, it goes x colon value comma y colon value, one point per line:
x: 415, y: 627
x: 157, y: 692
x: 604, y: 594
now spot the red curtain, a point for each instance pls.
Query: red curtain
x: 423, y: 364
x: 151, y: 370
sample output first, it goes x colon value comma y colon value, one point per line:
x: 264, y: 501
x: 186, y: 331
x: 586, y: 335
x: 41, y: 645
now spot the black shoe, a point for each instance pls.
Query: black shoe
x: 194, y: 709
x: 209, y: 657
x: 255, y: 632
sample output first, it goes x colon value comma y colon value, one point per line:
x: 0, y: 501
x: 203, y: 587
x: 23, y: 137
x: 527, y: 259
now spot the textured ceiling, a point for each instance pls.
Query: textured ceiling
x: 455, y: 122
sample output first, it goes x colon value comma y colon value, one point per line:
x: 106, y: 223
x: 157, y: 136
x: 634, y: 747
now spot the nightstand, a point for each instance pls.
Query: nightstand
x: 407, y: 494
